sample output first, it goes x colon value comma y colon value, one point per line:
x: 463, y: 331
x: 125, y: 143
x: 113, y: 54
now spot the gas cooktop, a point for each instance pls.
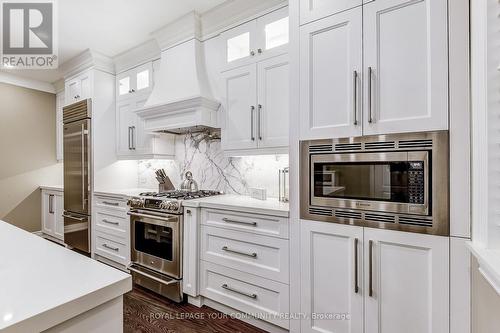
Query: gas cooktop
x: 181, y: 195
x: 167, y: 202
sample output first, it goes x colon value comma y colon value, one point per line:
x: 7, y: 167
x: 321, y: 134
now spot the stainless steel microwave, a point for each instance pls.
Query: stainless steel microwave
x: 395, y: 181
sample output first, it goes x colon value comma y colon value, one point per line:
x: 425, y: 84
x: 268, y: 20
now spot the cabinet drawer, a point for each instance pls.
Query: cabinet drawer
x: 112, y: 204
x: 254, y: 254
x: 257, y: 224
x: 116, y: 224
x: 112, y: 248
x: 246, y: 293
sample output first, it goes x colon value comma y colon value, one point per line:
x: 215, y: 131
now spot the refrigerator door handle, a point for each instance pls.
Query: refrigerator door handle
x: 83, y: 167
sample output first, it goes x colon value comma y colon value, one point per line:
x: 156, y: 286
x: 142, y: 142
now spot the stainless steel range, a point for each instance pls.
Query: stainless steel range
x: 157, y: 240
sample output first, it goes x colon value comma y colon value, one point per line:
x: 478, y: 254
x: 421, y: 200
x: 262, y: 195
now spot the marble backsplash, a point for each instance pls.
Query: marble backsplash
x: 212, y: 170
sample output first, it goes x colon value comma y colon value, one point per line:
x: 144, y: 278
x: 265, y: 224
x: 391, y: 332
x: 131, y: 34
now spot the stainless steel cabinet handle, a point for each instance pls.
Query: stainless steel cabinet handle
x: 355, y: 96
x: 111, y: 203
x: 253, y: 224
x: 110, y: 222
x: 81, y: 219
x: 259, y: 121
x: 129, y: 138
x: 225, y: 286
x: 370, y: 73
x: 370, y: 268
x: 133, y: 138
x: 252, y: 255
x: 51, y: 204
x: 110, y: 247
x: 356, y: 287
x: 252, y: 110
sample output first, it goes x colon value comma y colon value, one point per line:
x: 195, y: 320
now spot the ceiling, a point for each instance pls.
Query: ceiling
x: 111, y: 26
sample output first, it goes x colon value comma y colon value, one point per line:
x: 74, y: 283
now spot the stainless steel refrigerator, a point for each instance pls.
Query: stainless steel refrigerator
x: 77, y: 174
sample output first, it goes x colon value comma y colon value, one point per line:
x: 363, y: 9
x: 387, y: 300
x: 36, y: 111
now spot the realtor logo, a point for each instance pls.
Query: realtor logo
x: 28, y: 34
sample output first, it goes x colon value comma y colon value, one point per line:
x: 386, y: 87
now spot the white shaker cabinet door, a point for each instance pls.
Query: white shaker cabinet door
x: 330, y: 76
x: 406, y: 66
x: 126, y: 125
x: 311, y: 10
x: 331, y: 277
x: 273, y: 107
x: 240, y: 95
x: 408, y: 275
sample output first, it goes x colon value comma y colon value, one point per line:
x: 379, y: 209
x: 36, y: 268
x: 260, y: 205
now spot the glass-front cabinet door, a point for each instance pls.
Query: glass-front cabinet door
x: 135, y: 81
x: 256, y: 40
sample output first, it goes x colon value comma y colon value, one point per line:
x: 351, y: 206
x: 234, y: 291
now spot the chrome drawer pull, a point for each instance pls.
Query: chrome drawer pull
x: 225, y: 286
x: 110, y: 247
x: 253, y: 224
x: 111, y: 203
x: 110, y: 222
x: 253, y: 255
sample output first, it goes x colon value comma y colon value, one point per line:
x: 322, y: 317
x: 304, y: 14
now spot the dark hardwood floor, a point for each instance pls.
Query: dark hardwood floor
x: 146, y: 312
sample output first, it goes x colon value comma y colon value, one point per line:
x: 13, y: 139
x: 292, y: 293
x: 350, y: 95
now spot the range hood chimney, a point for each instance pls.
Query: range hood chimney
x: 181, y: 100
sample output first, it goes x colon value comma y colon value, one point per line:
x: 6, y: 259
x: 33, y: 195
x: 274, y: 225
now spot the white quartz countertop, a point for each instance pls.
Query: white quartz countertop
x: 243, y: 203
x: 43, y: 284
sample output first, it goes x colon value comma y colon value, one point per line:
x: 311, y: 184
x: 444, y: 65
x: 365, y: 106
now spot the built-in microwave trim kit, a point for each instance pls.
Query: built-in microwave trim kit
x: 427, y: 211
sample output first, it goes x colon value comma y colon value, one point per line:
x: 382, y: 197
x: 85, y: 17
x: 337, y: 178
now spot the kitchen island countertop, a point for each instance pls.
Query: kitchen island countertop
x: 43, y: 284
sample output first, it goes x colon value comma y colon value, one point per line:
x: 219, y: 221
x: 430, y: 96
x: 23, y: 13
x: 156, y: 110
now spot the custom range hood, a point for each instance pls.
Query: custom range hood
x: 181, y: 100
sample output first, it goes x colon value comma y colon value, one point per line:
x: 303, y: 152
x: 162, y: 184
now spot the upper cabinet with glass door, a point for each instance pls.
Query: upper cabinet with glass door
x: 135, y: 81
x: 256, y: 40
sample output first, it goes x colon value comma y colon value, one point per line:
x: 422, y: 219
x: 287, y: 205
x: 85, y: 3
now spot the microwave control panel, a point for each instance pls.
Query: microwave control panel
x: 416, y: 183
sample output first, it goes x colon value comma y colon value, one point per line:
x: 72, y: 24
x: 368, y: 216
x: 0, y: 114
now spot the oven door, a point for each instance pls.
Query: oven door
x: 156, y: 240
x: 396, y: 182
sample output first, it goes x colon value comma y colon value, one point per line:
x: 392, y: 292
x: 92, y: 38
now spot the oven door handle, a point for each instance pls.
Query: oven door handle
x: 153, y: 216
x: 167, y: 283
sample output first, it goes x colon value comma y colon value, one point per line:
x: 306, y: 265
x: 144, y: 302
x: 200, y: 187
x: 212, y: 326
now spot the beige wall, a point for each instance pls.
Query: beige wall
x: 27, y: 153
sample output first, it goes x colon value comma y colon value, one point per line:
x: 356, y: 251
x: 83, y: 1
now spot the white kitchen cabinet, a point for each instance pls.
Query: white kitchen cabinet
x: 79, y: 87
x: 331, y: 75
x: 256, y: 40
x: 361, y: 75
x: 136, y: 81
x: 257, y: 106
x: 403, y: 279
x: 405, y: 45
x: 273, y: 102
x: 59, y: 126
x: 133, y: 141
x: 311, y: 10
x: 331, y: 254
x: 409, y: 276
x: 240, y: 90
x: 52, y: 210
x: 111, y: 231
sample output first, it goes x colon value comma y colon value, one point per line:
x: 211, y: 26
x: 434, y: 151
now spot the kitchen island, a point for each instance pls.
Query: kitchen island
x: 46, y: 287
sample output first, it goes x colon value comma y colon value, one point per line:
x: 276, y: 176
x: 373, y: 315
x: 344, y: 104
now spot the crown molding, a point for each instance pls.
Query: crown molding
x: 233, y: 13
x: 86, y: 60
x: 136, y: 56
x: 183, y: 29
x: 19, y: 81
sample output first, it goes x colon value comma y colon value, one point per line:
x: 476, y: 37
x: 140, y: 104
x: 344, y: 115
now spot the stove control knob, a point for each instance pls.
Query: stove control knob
x: 173, y: 206
x: 135, y: 203
x: 164, y: 205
